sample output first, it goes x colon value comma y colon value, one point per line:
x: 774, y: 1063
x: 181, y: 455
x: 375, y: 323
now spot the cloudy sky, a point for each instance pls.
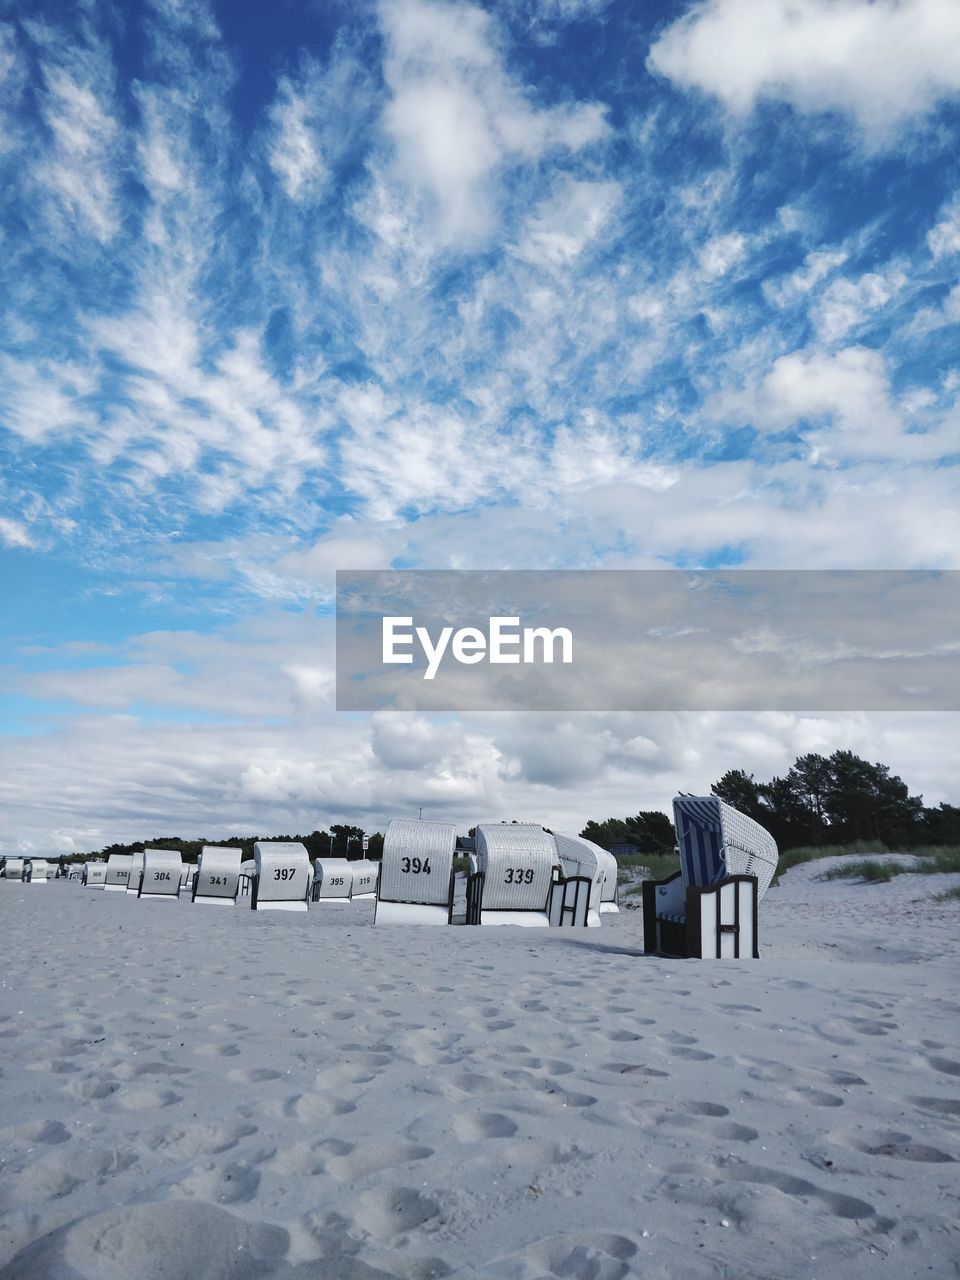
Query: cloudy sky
x: 533, y: 284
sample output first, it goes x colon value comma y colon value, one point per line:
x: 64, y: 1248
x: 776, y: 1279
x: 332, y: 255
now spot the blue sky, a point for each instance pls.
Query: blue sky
x: 542, y: 283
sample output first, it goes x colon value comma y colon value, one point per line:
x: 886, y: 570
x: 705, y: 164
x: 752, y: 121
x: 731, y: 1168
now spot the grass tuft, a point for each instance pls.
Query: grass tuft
x: 864, y: 869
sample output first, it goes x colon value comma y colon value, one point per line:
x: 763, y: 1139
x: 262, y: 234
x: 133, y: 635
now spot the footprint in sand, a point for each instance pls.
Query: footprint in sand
x: 940, y: 1106
x: 234, y: 1183
x: 386, y: 1212
x: 808, y: 1095
x: 896, y: 1146
x: 490, y: 1124
x: 841, y: 1206
x: 364, y: 1158
x: 597, y: 1256
x: 944, y: 1065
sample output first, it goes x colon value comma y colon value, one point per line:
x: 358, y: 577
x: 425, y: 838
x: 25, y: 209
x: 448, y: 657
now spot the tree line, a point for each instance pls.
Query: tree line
x: 341, y: 841
x: 836, y: 799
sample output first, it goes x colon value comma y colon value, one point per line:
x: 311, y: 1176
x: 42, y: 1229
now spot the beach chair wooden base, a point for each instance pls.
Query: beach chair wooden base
x: 413, y: 913
x: 716, y: 922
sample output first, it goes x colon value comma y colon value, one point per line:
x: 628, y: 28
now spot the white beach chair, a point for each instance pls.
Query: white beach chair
x: 217, y: 878
x: 365, y: 874
x: 13, y: 869
x: 136, y: 873
x: 610, y: 894
x: 248, y: 869
x: 582, y: 859
x: 332, y: 880
x: 117, y: 876
x: 94, y: 875
x: 281, y: 880
x: 513, y: 872
x: 162, y: 870
x: 416, y: 873
x: 36, y: 871
x: 709, y: 907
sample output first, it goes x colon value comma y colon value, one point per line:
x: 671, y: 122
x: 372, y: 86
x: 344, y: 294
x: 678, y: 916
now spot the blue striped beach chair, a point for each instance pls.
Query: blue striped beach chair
x: 709, y: 907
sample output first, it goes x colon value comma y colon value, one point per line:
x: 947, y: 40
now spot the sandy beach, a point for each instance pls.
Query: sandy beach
x: 191, y: 1093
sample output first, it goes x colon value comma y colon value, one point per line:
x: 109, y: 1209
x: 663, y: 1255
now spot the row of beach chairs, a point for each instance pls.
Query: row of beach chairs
x: 518, y: 873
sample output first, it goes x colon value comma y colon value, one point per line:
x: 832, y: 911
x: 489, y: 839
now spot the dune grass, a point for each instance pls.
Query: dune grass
x: 869, y: 869
x: 930, y: 860
x: 951, y: 895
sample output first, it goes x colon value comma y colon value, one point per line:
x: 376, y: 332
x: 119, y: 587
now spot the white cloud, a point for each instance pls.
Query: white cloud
x: 456, y: 117
x: 847, y: 304
x: 295, y: 155
x: 564, y: 224
x: 944, y: 238
x: 81, y: 166
x: 13, y: 533
x: 817, y: 265
x: 881, y: 61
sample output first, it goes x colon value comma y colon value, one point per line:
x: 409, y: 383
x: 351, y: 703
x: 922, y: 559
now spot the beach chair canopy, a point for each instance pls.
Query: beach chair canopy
x: 94, y: 874
x: 282, y: 876
x: 162, y: 871
x: 218, y: 875
x: 580, y: 857
x: 333, y: 880
x: 364, y: 875
x: 13, y: 868
x: 716, y: 840
x: 416, y: 872
x: 608, y: 894
x: 118, y: 871
x: 38, y: 870
x: 516, y: 860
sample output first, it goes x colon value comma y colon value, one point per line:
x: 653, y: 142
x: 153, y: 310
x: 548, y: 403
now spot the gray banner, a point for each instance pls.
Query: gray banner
x: 645, y: 640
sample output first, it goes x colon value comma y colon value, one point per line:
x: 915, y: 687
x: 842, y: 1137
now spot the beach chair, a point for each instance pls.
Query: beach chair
x: 36, y: 871
x: 365, y: 874
x: 282, y: 876
x: 248, y: 869
x: 136, y: 873
x: 610, y: 894
x: 94, y: 875
x: 117, y: 874
x: 75, y: 872
x: 416, y: 873
x: 160, y: 878
x: 13, y: 869
x: 582, y: 859
x: 512, y: 877
x: 332, y: 880
x: 708, y: 908
x: 217, y: 879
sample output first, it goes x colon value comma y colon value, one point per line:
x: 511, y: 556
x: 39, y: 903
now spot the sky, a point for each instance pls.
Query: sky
x: 431, y: 284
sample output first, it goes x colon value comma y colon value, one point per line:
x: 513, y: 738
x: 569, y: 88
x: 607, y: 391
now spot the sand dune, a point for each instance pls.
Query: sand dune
x: 222, y: 1094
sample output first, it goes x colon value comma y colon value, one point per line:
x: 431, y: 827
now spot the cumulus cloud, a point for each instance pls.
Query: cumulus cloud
x: 883, y: 62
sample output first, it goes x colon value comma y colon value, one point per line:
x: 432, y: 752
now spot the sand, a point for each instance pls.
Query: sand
x: 199, y: 1094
